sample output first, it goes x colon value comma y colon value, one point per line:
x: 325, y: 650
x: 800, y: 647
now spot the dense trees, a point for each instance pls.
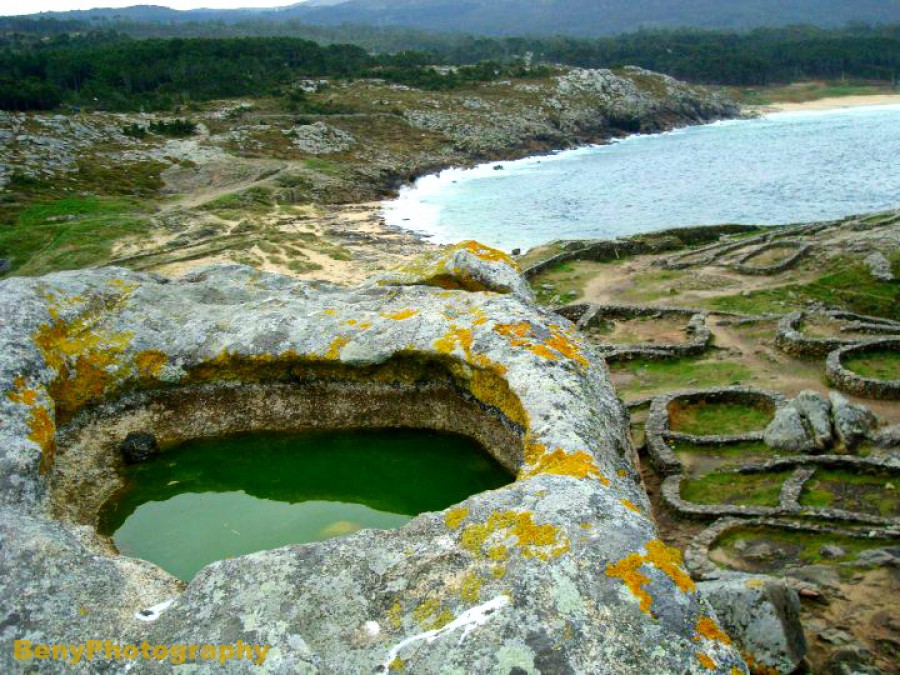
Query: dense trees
x: 112, y: 71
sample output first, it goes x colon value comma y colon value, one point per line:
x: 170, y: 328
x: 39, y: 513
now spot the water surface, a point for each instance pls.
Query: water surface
x: 216, y: 498
x: 783, y: 168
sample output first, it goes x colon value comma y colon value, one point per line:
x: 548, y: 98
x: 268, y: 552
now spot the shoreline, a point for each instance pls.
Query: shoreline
x: 824, y: 104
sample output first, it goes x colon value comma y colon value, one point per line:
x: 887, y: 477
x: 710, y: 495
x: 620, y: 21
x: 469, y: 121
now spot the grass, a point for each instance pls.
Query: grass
x: 68, y: 233
x: 641, y: 377
x: 880, y: 364
x: 721, y: 456
x: 757, y: 489
x: 848, y: 285
x: 707, y: 419
x: 804, y: 547
x: 568, y: 281
x: 256, y: 200
x: 867, y: 493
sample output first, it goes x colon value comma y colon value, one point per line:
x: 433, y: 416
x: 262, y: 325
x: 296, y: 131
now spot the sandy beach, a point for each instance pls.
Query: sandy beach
x: 831, y: 103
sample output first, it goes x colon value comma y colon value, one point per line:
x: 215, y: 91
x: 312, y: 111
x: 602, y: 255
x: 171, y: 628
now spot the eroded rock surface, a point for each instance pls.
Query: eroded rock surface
x: 559, y: 572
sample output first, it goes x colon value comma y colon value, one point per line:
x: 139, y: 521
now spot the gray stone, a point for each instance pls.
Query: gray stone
x: 879, y: 557
x: 787, y: 432
x: 816, y: 412
x: 879, y: 267
x: 887, y: 437
x: 832, y: 551
x: 851, y: 659
x: 560, y: 571
x: 835, y: 636
x: 852, y: 423
x: 762, y: 615
x: 824, y: 576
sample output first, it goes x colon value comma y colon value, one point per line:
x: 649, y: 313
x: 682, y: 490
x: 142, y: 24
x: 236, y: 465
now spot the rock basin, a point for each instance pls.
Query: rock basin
x: 559, y: 572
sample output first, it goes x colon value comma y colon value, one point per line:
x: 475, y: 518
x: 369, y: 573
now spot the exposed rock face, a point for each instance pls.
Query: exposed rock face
x: 852, y: 423
x: 559, y: 572
x: 786, y: 431
x: 320, y: 139
x: 762, y: 614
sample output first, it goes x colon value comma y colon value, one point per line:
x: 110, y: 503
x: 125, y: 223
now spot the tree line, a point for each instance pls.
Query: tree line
x: 48, y: 67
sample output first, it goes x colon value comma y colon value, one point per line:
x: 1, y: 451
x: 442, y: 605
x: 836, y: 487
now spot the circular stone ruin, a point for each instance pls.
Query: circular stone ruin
x: 816, y: 334
x: 621, y: 332
x: 561, y: 570
x: 771, y: 258
x: 869, y: 370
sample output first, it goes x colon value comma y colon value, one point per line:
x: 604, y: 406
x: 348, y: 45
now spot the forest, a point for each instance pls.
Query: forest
x: 44, y: 65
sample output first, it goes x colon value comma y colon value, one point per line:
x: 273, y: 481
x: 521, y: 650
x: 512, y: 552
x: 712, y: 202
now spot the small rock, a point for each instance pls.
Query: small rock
x: 517, y: 251
x: 823, y: 576
x: 851, y: 659
x: 879, y: 267
x: 138, y: 446
x: 831, y: 551
x: 878, y: 557
x: 787, y: 432
x: 888, y: 437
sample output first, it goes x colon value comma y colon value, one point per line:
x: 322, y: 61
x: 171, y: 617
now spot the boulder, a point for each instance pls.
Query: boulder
x: 879, y: 267
x: 887, y: 437
x: 138, y: 446
x: 815, y: 410
x: 787, y: 432
x: 762, y: 615
x: 852, y: 423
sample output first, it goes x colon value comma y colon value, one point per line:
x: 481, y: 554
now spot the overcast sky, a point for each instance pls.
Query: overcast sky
x: 8, y: 7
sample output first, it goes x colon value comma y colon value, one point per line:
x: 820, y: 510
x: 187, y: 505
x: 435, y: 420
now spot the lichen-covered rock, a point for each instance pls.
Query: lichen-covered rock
x: 559, y: 572
x: 804, y: 425
x: 762, y: 615
x: 320, y: 139
x: 879, y: 267
x: 467, y: 265
x: 815, y: 410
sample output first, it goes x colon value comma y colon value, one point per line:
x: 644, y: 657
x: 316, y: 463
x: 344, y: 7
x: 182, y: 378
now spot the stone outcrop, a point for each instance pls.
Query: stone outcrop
x: 814, y: 424
x: 879, y: 267
x: 561, y: 571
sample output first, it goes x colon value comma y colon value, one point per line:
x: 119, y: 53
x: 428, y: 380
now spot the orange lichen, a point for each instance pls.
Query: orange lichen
x: 705, y: 661
x: 665, y: 558
x: 454, y: 517
x: 708, y: 628
x: 43, y: 432
x: 470, y: 591
x: 22, y: 393
x: 630, y: 505
x: 402, y: 315
x: 486, y: 253
x: 334, y: 349
x: 559, y: 344
x: 621, y: 473
x: 578, y: 464
x: 149, y: 363
x: 533, y: 540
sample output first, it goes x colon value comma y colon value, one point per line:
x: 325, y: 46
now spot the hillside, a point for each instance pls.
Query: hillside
x: 523, y: 17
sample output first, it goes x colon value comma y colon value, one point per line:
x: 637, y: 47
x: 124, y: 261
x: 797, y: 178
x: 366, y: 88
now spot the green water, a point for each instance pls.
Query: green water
x: 217, y: 498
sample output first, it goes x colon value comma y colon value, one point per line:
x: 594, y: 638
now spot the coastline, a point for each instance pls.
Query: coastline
x: 831, y: 103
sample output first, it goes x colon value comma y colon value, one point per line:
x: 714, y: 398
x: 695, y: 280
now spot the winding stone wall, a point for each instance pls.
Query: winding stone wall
x: 866, y: 387
x: 741, y: 262
x: 560, y: 571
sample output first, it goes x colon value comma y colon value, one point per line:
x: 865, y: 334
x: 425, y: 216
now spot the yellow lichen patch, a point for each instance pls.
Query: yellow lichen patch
x: 630, y: 505
x: 705, y: 661
x: 402, y: 315
x: 561, y: 342
x: 431, y: 615
x: 486, y: 253
x: 149, y: 363
x: 471, y: 588
x: 395, y: 616
x: 454, y: 517
x: 710, y: 630
x: 621, y: 473
x: 22, y: 393
x: 532, y: 540
x: 454, y: 336
x: 334, y: 349
x: 43, y: 432
x: 365, y: 325
x: 665, y: 558
x: 489, y: 386
x: 397, y: 664
x: 329, y: 312
x: 578, y: 464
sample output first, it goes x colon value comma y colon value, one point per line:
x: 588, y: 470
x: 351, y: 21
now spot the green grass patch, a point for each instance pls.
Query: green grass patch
x: 640, y: 377
x: 255, y: 200
x: 866, y: 493
x: 789, y: 547
x: 756, y: 489
x: 68, y: 233
x: 699, y: 460
x: 849, y: 285
x: 707, y: 419
x: 879, y: 364
x: 325, y: 166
